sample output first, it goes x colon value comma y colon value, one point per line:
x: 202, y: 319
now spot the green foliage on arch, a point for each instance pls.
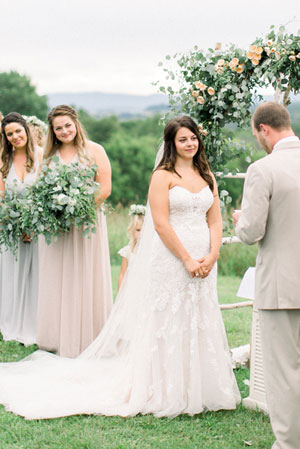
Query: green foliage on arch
x: 220, y: 86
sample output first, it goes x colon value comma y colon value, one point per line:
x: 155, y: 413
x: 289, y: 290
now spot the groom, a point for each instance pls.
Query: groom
x: 271, y: 216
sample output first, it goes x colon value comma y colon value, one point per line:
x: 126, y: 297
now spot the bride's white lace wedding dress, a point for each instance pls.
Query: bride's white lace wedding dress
x: 163, y: 350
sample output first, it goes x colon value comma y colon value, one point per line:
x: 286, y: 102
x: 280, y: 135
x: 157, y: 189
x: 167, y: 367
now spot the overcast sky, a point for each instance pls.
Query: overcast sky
x: 115, y: 45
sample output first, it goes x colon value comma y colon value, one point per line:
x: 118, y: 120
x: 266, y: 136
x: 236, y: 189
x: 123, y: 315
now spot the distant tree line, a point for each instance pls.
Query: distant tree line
x: 131, y: 145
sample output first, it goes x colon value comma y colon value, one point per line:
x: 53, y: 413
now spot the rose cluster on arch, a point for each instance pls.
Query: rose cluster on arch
x: 220, y: 86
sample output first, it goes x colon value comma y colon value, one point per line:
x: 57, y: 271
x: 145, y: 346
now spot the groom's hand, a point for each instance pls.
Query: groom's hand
x: 235, y: 216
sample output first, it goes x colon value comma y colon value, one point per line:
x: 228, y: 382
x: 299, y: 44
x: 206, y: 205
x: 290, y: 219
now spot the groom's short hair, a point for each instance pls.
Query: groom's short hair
x: 272, y: 114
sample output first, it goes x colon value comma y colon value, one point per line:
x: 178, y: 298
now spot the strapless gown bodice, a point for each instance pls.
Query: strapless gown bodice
x: 163, y: 350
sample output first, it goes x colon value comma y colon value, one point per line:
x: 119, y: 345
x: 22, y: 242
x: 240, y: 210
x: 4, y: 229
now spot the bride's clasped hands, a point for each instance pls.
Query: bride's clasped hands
x: 163, y: 350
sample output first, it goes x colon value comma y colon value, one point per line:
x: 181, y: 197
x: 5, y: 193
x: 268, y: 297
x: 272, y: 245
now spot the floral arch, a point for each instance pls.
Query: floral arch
x: 219, y: 87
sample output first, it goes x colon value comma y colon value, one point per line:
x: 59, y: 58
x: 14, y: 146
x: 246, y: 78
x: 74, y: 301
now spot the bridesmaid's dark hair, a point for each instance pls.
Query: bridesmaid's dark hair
x: 7, y: 148
x: 169, y: 157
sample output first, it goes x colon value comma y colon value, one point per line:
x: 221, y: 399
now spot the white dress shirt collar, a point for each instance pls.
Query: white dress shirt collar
x: 286, y: 140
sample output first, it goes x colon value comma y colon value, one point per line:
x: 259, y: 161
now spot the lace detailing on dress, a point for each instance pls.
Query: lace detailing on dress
x: 163, y: 349
x: 188, y: 218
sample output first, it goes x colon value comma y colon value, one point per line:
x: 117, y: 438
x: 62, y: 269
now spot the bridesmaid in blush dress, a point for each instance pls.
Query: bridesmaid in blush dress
x: 75, y: 294
x: 20, y: 162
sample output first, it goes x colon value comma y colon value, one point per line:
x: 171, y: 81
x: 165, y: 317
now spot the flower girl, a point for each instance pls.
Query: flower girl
x: 136, y: 212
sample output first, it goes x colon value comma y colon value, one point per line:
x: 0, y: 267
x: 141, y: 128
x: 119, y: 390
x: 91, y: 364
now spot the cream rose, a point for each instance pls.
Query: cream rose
x: 211, y: 91
x: 200, y: 100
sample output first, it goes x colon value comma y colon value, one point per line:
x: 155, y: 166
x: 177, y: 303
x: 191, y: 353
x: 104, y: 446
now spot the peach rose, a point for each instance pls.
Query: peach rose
x: 250, y: 54
x: 292, y: 58
x: 198, y: 84
x: 298, y: 56
x: 204, y: 132
x: 255, y: 61
x: 240, y: 68
x: 259, y: 50
x: 277, y: 55
x: 220, y: 70
x: 211, y: 91
x: 234, y: 61
x: 194, y: 93
x: 200, y: 100
x: 220, y: 62
x: 200, y: 127
x: 253, y: 48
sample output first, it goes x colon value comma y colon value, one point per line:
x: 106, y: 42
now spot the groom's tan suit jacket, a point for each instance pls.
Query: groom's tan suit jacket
x: 271, y: 217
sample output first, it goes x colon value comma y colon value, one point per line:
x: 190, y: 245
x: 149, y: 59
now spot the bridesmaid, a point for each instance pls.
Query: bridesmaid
x: 19, y: 163
x: 75, y: 295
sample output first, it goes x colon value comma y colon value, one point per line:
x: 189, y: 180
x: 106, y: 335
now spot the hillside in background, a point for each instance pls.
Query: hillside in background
x: 104, y: 104
x: 125, y: 106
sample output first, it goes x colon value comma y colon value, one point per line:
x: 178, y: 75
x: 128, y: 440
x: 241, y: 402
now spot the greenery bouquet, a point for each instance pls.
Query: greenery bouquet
x: 12, y: 205
x: 62, y: 197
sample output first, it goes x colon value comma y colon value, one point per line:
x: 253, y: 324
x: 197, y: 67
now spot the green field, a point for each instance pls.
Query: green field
x: 236, y: 429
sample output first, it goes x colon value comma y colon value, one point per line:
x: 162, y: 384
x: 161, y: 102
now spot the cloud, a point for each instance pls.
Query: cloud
x: 112, y: 45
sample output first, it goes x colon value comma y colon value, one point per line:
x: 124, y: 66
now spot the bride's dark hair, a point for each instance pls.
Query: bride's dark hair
x: 169, y: 157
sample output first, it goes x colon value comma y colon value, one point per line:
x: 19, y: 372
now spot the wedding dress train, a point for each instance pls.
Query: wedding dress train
x: 163, y: 349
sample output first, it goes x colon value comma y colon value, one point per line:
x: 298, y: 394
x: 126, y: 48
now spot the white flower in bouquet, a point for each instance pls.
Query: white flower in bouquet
x: 72, y: 201
x: 62, y: 199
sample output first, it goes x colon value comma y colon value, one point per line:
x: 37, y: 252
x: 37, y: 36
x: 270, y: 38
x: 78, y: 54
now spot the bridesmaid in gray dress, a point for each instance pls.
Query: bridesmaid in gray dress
x: 19, y: 163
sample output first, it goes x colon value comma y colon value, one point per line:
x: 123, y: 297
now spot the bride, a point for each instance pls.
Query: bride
x: 163, y: 349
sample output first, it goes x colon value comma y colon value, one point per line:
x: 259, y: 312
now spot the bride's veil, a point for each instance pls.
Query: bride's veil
x: 133, y: 297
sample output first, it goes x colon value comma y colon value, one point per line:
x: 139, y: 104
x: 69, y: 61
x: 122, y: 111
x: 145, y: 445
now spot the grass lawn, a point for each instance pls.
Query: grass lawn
x: 236, y: 429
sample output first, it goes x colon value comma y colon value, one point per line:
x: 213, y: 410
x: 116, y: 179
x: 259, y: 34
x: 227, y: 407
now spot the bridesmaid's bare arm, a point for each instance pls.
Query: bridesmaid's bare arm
x: 103, y: 175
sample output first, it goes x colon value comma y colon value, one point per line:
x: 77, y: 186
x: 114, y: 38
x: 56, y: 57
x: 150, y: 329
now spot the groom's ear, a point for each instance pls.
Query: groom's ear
x: 265, y: 129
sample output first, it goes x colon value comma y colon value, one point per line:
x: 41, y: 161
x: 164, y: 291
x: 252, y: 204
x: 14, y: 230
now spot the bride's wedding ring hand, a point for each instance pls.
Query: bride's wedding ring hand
x: 206, y: 265
x: 193, y: 267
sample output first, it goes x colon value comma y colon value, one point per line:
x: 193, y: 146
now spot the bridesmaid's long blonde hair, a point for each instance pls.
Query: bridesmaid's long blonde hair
x: 53, y: 144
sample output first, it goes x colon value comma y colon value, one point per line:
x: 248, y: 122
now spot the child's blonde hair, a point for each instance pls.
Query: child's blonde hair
x: 136, y: 220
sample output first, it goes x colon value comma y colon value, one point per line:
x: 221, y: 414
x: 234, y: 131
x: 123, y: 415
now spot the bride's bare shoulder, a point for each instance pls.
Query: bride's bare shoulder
x: 161, y: 178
